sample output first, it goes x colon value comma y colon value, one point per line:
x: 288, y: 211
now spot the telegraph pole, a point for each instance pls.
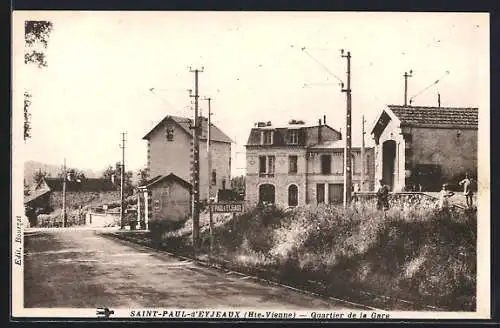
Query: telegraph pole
x: 196, y: 165
x: 122, y: 176
x: 406, y: 75
x: 348, y: 150
x: 209, y: 158
x: 64, y: 194
x: 363, y: 153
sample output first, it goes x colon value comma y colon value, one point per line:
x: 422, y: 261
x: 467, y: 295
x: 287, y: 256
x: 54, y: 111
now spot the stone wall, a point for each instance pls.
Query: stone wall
x: 454, y: 150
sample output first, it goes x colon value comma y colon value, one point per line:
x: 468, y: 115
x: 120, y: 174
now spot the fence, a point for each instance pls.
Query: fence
x: 400, y: 197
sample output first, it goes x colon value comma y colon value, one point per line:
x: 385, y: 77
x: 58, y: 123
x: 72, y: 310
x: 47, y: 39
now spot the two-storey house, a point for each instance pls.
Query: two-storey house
x: 170, y: 149
x: 299, y: 164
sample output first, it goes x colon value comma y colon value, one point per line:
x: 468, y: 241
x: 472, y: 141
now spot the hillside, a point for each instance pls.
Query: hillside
x: 30, y: 167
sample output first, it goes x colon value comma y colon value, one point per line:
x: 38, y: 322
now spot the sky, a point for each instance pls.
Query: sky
x: 102, y: 65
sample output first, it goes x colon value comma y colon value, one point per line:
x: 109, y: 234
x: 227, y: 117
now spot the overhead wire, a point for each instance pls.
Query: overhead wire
x: 429, y: 86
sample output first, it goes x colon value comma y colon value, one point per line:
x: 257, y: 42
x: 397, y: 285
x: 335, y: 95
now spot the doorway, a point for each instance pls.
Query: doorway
x: 266, y: 194
x: 388, y: 161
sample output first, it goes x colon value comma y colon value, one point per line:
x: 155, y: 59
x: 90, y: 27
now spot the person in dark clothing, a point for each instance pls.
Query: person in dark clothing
x: 382, y: 196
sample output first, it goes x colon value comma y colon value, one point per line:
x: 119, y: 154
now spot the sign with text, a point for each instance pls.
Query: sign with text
x: 226, y: 207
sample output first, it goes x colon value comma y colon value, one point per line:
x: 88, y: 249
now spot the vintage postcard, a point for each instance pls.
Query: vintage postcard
x: 250, y: 165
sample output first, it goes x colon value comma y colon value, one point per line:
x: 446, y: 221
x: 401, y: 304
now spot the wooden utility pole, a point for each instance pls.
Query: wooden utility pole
x: 348, y: 149
x: 122, y: 177
x: 209, y: 160
x: 64, y: 194
x: 196, y: 166
x: 439, y: 100
x: 406, y: 75
x: 363, y: 153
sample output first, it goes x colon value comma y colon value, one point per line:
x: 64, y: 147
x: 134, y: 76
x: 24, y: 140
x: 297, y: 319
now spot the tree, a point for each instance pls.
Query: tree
x: 143, y: 176
x: 128, y: 185
x: 36, y: 37
x: 73, y: 174
x: 238, y: 184
x: 26, y: 188
x: 38, y: 176
x: 108, y: 173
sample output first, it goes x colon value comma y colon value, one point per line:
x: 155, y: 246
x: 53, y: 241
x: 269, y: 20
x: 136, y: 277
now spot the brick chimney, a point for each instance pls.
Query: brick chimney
x: 319, y: 131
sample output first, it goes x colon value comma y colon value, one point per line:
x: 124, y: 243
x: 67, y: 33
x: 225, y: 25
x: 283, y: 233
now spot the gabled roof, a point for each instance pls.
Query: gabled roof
x: 35, y: 194
x: 436, y: 117
x: 169, y: 177
x: 307, y: 135
x: 186, y: 124
x: 90, y: 184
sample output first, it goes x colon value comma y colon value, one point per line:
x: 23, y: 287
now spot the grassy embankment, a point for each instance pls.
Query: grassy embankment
x: 414, y: 252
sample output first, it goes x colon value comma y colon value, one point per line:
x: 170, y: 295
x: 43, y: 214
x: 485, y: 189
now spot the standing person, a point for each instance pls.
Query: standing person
x: 382, y: 196
x: 467, y: 182
x: 444, y: 197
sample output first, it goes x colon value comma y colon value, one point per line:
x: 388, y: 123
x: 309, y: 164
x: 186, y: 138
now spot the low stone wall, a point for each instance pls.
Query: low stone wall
x: 102, y: 220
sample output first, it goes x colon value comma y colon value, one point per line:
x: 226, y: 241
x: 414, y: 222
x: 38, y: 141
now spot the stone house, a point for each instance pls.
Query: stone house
x: 424, y: 146
x: 299, y: 164
x: 47, y: 196
x: 170, y: 148
x: 171, y: 199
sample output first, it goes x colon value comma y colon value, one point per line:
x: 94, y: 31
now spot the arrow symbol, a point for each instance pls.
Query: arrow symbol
x: 104, y: 312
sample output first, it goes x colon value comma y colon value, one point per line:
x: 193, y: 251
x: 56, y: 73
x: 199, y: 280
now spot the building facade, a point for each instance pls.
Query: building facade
x: 299, y: 164
x: 424, y: 147
x: 170, y: 149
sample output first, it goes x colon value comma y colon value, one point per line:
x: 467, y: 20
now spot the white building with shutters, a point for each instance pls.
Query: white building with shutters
x: 299, y: 164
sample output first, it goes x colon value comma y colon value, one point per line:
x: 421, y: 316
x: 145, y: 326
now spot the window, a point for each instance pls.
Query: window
x: 266, y: 165
x: 292, y: 164
x: 270, y: 164
x: 367, y: 163
x: 214, y: 177
x: 170, y: 134
x: 262, y: 164
x: 326, y: 164
x: 320, y: 193
x: 338, y: 163
x: 293, y: 137
x: 293, y: 193
x: 267, y: 137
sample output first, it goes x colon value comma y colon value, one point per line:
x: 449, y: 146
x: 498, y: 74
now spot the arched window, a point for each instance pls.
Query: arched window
x: 293, y: 195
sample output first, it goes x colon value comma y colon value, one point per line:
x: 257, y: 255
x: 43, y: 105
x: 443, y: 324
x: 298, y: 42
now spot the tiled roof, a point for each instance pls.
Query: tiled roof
x: 96, y: 185
x: 186, y: 123
x: 34, y: 195
x: 439, y: 117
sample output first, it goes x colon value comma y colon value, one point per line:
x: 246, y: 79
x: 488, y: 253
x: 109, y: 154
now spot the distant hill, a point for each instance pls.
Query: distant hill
x: 30, y: 167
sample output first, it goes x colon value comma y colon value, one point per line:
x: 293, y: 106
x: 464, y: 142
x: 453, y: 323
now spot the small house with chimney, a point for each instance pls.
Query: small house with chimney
x: 424, y: 147
x: 300, y: 164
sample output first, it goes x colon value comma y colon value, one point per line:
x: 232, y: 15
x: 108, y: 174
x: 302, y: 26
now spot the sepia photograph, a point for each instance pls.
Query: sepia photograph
x: 203, y: 165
